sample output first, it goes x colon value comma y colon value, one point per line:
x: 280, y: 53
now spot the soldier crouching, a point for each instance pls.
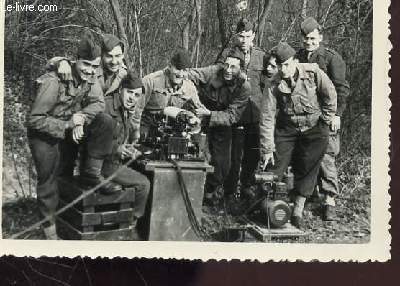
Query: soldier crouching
x: 121, y: 107
x: 306, y: 100
x: 64, y: 115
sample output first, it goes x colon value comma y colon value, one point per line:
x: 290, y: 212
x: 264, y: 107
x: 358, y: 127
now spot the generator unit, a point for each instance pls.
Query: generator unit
x: 274, y: 208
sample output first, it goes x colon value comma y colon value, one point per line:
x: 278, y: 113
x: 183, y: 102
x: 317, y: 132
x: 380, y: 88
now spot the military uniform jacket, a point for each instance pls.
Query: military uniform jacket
x: 312, y: 98
x: 226, y: 102
x: 122, y: 125
x: 254, y: 71
x: 109, y: 83
x: 57, y: 101
x: 333, y: 65
x: 160, y: 94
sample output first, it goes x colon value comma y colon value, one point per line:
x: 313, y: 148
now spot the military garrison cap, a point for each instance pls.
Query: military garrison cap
x: 87, y: 49
x: 109, y: 42
x: 181, y: 59
x: 237, y: 54
x: 309, y: 25
x: 244, y: 25
x: 132, y: 81
x: 283, y: 51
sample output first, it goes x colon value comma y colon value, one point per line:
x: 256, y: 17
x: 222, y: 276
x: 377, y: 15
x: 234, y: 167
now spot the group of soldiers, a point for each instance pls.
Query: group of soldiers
x: 278, y: 108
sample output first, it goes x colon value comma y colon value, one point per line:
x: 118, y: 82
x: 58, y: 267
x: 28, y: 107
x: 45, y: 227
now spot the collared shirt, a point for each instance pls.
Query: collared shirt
x: 159, y: 94
x: 254, y: 70
x: 122, y: 123
x: 57, y: 101
x: 312, y: 98
x: 109, y: 83
x: 226, y: 102
x: 333, y: 65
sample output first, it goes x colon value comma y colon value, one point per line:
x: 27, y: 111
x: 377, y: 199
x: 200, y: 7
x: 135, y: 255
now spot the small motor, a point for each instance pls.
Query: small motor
x: 275, y: 205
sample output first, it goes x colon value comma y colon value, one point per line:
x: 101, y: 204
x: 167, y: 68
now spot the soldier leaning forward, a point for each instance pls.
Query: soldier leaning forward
x: 306, y: 100
x: 121, y: 107
x: 246, y: 133
x: 225, y: 95
x: 166, y: 87
x: 66, y: 114
x: 333, y: 65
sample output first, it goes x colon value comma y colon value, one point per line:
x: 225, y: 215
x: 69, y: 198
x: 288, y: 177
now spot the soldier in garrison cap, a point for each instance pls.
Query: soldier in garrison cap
x: 111, y: 71
x: 64, y: 115
x: 121, y: 107
x: 246, y: 133
x: 306, y: 100
x: 166, y: 87
x: 225, y: 93
x: 333, y: 65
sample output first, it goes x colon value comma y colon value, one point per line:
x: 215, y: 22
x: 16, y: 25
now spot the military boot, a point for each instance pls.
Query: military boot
x: 91, y: 176
x: 50, y: 232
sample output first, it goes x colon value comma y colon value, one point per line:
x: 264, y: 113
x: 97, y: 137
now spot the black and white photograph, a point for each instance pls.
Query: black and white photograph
x: 254, y: 129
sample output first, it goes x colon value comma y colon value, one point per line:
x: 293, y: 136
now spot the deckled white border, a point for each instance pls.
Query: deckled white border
x: 377, y: 250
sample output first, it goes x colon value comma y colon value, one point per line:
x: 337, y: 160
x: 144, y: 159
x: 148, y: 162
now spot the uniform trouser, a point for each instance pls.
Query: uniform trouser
x: 304, y: 150
x: 219, y: 142
x: 328, y: 176
x: 54, y: 157
x: 127, y: 177
x: 245, y: 156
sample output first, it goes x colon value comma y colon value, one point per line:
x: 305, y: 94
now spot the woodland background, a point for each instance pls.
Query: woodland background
x: 153, y: 29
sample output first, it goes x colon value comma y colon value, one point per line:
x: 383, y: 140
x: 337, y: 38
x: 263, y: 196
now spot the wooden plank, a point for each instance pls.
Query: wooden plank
x: 265, y: 234
x: 124, y: 215
x: 68, y: 232
x: 152, y: 165
x: 80, y: 219
x: 119, y: 234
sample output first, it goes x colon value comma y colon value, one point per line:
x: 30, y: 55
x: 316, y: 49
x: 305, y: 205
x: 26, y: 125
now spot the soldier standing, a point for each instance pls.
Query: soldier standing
x: 226, y: 94
x: 333, y: 65
x: 246, y: 133
x: 64, y: 115
x: 121, y: 108
x: 306, y: 100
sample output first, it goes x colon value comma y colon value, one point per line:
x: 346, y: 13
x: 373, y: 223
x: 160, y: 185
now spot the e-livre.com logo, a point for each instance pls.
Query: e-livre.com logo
x: 23, y: 7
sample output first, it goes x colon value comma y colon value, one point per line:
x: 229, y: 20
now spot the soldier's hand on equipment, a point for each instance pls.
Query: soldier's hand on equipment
x: 64, y: 70
x: 266, y: 158
x: 202, y: 112
x: 78, y: 119
x: 77, y: 133
x: 335, y: 124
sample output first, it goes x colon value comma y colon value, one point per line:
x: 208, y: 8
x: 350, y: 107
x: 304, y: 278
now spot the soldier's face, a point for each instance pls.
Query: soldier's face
x: 130, y: 97
x: 288, y: 68
x: 113, y: 59
x: 86, y: 69
x: 231, y: 68
x: 244, y: 40
x: 312, y: 40
x: 272, y: 67
x: 176, y: 76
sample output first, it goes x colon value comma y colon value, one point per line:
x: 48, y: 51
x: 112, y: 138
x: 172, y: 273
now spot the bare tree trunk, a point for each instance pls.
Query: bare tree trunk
x: 221, y: 23
x: 304, y: 9
x: 263, y: 17
x: 188, y: 25
x: 120, y: 26
x: 138, y: 42
x: 196, y: 47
